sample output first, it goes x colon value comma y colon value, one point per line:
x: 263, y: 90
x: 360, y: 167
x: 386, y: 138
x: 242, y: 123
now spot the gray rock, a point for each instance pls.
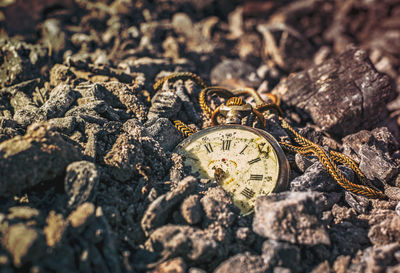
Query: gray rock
x: 191, y: 209
x: 80, y: 182
x: 245, y: 262
x: 346, y: 237
x: 90, y: 90
x: 39, y: 155
x: 25, y: 116
x: 60, y: 100
x: 373, y: 150
x: 165, y: 104
x: 187, y: 103
x: 9, y: 128
x: 82, y: 217
x: 282, y: 254
x: 60, y: 73
x: 190, y: 243
x: 386, y: 231
x: 316, y: 178
x: 162, y: 130
x: 24, y: 243
x: 302, y: 162
x: 196, y: 270
x: 374, y: 164
x: 160, y: 209
x: 94, y: 108
x: 218, y: 207
x: 172, y: 265
x: 65, y: 125
x: 124, y: 96
x: 245, y: 235
x: 135, y: 149
x: 23, y: 61
x: 235, y: 71
x: 378, y: 259
x: 342, y: 95
x: 22, y: 212
x: 291, y: 218
x: 357, y: 202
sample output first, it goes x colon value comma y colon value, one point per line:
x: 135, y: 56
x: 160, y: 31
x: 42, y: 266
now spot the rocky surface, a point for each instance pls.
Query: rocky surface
x: 89, y: 181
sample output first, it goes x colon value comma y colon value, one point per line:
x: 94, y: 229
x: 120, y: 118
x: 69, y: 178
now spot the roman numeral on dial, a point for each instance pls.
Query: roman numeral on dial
x: 248, y: 193
x: 209, y: 148
x: 255, y: 160
x: 226, y: 144
x: 258, y: 177
x: 242, y: 151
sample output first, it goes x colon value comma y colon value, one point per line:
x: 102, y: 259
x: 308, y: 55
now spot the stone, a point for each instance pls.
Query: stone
x: 316, y: 178
x: 39, y: 155
x: 80, y: 182
x: 290, y: 218
x: 22, y: 213
x: 24, y: 243
x: 65, y: 125
x: 160, y: 209
x: 377, y: 259
x: 55, y: 228
x: 189, y: 243
x: 218, y: 207
x: 25, y: 116
x: 341, y: 264
x: 97, y: 108
x: 165, y: 104
x: 175, y: 265
x: 60, y: 100
x: 245, y: 235
x: 342, y: 95
x: 374, y: 152
x: 245, y: 262
x: 82, y: 216
x: 302, y: 162
x: 386, y: 231
x: 9, y: 128
x: 235, y: 73
x: 60, y: 73
x: 120, y: 95
x: 283, y: 254
x: 163, y: 131
x: 322, y: 268
x: 357, y: 202
x: 347, y: 237
x: 191, y: 209
x: 23, y: 61
x: 374, y: 164
x: 134, y: 149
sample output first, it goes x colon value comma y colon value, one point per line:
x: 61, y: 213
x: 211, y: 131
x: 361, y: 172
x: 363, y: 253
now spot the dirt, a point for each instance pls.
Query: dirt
x: 89, y: 181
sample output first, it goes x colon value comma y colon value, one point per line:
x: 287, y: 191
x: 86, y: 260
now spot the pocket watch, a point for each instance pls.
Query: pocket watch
x: 247, y: 162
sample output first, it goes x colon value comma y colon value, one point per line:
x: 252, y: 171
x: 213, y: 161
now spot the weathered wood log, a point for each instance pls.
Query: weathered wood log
x: 342, y: 95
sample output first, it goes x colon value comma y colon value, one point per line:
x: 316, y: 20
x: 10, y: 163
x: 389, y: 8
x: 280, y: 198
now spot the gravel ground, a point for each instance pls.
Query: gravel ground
x: 89, y: 181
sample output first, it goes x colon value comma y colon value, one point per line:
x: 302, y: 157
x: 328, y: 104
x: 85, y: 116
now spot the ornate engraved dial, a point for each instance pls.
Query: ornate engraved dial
x: 246, y: 162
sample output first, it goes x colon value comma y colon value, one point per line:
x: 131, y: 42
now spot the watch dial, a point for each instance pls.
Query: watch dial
x: 243, y: 162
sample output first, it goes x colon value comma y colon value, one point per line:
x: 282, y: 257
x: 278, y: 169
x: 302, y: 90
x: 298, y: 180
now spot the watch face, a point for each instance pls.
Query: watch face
x: 246, y: 162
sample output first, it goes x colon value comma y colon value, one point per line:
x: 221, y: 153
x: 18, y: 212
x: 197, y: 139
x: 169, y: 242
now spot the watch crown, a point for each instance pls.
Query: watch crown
x: 235, y: 113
